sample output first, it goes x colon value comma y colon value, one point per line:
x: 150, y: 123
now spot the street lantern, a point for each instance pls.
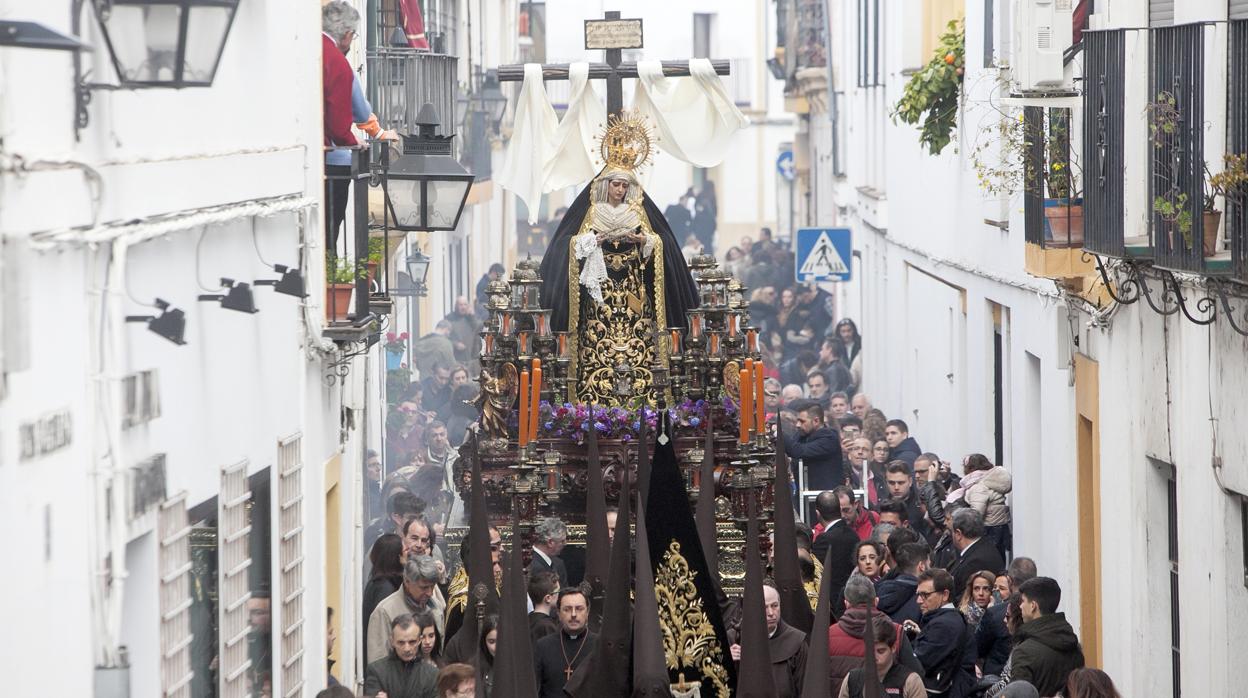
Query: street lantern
x: 491, y: 98
x: 426, y: 188
x: 418, y: 270
x: 165, y: 43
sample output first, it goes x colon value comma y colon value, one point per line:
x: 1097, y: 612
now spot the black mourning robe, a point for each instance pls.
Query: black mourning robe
x: 548, y: 660
x: 680, y: 292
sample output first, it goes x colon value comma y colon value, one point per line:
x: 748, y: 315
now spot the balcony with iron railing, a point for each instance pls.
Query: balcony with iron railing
x: 1236, y: 218
x: 402, y: 80
x: 1053, y: 222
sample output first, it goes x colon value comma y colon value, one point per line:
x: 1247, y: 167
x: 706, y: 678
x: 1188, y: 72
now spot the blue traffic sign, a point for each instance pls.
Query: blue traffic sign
x: 824, y: 254
x: 784, y: 165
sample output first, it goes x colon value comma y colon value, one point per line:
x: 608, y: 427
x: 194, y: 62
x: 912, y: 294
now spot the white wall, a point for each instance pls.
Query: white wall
x: 242, y: 381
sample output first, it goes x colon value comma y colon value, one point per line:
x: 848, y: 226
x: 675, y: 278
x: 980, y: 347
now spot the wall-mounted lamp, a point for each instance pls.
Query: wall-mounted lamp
x: 426, y: 189
x: 170, y: 324
x: 239, y: 297
x: 290, y: 284
x: 158, y: 43
x: 34, y: 35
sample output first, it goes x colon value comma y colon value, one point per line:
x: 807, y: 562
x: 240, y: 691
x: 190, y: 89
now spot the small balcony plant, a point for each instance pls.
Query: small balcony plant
x: 340, y: 276
x: 1231, y: 184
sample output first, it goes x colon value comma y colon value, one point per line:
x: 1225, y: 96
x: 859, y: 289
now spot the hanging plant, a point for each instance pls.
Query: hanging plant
x: 930, y: 98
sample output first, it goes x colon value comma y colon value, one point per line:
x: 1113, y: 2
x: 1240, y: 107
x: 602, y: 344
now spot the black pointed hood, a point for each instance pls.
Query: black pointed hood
x: 597, y: 548
x: 794, y: 606
x: 754, y: 678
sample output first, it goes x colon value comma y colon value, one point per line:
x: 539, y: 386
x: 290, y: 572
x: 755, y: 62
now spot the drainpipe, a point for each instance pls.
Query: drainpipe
x: 832, y: 108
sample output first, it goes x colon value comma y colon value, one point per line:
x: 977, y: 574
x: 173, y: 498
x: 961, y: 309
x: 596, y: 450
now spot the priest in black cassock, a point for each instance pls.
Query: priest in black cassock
x: 557, y: 656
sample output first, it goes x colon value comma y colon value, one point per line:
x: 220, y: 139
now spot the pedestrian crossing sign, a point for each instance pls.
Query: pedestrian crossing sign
x: 824, y: 254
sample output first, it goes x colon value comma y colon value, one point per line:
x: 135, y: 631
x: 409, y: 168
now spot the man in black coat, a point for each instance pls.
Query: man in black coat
x: 944, y: 644
x: 557, y: 656
x: 549, y: 537
x: 991, y: 636
x: 835, y: 546
x: 975, y: 553
x: 818, y: 446
x: 901, y: 445
x: 896, y: 594
x: 402, y: 674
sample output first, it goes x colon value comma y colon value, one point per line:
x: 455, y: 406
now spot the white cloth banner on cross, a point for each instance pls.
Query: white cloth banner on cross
x: 693, y: 116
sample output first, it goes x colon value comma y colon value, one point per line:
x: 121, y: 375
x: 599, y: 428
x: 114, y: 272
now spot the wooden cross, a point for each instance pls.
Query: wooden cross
x: 611, y: 35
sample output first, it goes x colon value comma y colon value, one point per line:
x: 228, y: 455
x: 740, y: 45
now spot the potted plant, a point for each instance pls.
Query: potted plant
x: 395, y: 345
x: 340, y: 276
x: 1171, y: 204
x: 999, y: 155
x: 1231, y: 184
x: 930, y: 98
x: 1063, y: 207
x: 376, y: 254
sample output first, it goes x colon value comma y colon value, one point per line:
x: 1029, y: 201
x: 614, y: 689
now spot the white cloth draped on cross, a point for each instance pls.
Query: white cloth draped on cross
x: 694, y: 117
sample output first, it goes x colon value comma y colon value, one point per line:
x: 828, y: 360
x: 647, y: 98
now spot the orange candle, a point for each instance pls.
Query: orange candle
x: 563, y: 344
x: 675, y: 348
x: 714, y: 344
x: 745, y: 408
x: 760, y: 403
x: 535, y: 389
x: 524, y: 406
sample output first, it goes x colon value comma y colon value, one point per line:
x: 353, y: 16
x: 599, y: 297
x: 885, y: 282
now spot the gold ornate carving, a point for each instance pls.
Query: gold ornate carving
x: 732, y: 380
x: 689, y: 640
x: 496, y: 398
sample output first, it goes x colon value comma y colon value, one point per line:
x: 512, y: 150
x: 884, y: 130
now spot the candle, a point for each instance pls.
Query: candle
x: 695, y: 325
x: 489, y: 344
x: 744, y: 407
x: 733, y: 320
x: 535, y: 392
x: 714, y: 344
x: 675, y: 348
x: 752, y: 336
x: 506, y: 324
x: 760, y: 404
x: 524, y: 406
x: 523, y: 347
x: 563, y: 345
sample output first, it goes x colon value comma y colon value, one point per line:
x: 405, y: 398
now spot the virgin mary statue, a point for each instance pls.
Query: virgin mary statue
x: 615, y: 278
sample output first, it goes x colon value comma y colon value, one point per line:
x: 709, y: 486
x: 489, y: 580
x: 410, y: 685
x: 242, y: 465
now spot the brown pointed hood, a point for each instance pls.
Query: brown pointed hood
x: 480, y: 570
x: 754, y: 678
x: 597, y: 548
x: 815, y: 683
x: 513, y: 661
x: 606, y: 672
x: 649, y: 666
x: 706, y: 497
x: 794, y: 606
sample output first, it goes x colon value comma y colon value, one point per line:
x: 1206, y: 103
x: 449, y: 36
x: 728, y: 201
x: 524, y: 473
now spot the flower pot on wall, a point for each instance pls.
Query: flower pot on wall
x: 338, y: 301
x: 1063, y: 222
x: 394, y: 360
x: 1212, y: 221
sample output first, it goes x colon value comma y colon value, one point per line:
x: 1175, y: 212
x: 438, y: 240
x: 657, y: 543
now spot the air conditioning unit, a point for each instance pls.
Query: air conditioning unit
x: 1042, y: 33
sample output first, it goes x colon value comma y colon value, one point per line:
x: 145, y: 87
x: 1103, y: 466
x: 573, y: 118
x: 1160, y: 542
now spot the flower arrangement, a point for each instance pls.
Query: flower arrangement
x: 396, y: 343
x: 574, y: 421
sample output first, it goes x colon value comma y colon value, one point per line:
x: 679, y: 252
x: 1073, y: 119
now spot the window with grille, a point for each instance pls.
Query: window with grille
x: 175, y: 598
x: 290, y: 556
x: 869, y: 73
x: 235, y: 559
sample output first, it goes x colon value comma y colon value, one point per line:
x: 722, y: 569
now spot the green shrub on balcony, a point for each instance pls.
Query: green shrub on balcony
x: 930, y: 98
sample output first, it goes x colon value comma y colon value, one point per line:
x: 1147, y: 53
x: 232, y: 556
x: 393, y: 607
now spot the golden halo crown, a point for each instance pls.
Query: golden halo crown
x: 627, y: 142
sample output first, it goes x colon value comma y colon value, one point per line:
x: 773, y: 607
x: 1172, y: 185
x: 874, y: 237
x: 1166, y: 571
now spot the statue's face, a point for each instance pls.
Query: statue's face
x: 617, y: 189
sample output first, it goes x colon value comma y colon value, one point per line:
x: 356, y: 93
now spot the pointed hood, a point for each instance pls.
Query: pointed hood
x: 649, y: 666
x: 606, y: 672
x: 480, y: 570
x: 597, y: 548
x: 794, y: 606
x: 513, y: 660
x: 643, y: 457
x: 754, y: 678
x: 680, y: 571
x: 870, y: 669
x: 815, y: 683
x: 706, y: 497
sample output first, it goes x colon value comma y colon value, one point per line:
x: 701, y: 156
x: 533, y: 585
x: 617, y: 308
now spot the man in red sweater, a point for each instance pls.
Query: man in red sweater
x: 339, y: 21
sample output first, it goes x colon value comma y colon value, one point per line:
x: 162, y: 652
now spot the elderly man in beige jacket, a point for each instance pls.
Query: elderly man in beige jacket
x: 418, y: 593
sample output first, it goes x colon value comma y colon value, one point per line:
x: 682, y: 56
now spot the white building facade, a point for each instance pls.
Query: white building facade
x: 988, y: 336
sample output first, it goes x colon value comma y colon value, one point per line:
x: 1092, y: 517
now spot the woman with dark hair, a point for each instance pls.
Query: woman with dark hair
x: 485, y: 658
x: 847, y: 332
x: 869, y: 560
x: 1090, y: 683
x: 430, y: 641
x: 387, y: 573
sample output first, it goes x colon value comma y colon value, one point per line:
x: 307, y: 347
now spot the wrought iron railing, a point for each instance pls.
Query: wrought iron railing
x: 1052, y: 209
x: 401, y: 81
x: 1103, y: 147
x: 1176, y: 129
x: 1237, y: 143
